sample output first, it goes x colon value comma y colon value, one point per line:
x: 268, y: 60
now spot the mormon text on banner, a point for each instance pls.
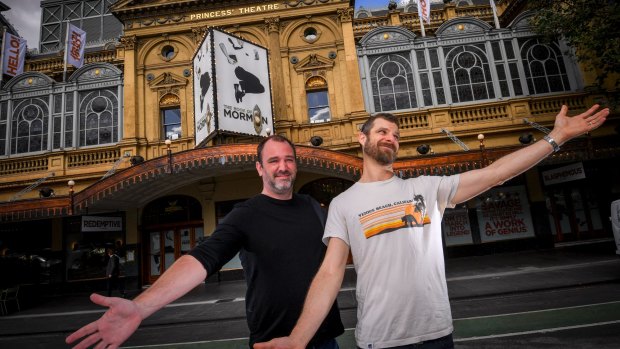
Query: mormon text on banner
x: 101, y: 223
x: 14, y: 55
x: 76, y: 41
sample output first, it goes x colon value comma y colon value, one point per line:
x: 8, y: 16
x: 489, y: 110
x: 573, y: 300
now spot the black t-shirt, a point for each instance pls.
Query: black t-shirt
x: 281, y: 251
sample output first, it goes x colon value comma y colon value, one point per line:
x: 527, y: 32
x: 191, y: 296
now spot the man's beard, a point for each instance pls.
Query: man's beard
x: 383, y: 157
x: 282, y: 186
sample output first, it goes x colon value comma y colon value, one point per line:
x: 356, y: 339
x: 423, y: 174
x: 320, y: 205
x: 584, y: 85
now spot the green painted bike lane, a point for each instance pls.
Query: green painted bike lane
x: 468, y: 328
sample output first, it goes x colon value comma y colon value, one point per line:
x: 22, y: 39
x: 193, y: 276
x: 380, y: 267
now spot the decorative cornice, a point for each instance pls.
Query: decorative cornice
x: 314, y: 62
x: 34, y: 209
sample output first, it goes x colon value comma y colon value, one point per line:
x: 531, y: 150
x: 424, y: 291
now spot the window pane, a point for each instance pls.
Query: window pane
x: 434, y: 58
x: 92, y: 137
x: 385, y: 86
x: 319, y: 115
x: 509, y: 51
x: 421, y: 60
x: 388, y: 102
x: 497, y: 53
x: 318, y: 106
x: 172, y: 116
x: 105, y: 135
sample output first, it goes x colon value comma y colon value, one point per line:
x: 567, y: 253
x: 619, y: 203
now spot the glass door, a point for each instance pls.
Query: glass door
x: 166, y: 246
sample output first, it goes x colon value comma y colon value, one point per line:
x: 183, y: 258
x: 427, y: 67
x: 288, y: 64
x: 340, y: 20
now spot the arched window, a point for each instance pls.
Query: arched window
x: 29, y: 126
x: 544, y: 68
x: 469, y: 74
x: 392, y: 82
x: 170, y: 116
x: 317, y: 98
x: 98, y: 121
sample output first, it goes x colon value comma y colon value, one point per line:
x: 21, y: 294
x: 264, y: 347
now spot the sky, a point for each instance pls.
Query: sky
x: 25, y: 16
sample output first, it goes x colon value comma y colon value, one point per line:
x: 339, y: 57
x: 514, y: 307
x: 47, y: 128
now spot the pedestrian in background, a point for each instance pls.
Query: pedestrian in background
x: 113, y: 272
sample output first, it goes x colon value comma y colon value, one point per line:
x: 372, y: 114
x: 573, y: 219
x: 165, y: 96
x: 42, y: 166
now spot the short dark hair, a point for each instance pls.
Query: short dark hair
x: 371, y: 120
x: 275, y: 138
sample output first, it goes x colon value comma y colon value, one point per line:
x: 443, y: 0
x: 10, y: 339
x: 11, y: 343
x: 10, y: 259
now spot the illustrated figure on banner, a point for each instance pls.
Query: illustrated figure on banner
x: 248, y: 82
x: 202, y: 76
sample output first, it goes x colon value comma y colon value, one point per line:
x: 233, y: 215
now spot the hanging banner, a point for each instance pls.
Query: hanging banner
x: 232, y: 91
x: 204, y: 99
x: 76, y: 41
x: 456, y: 227
x: 243, y: 86
x: 14, y: 54
x: 424, y: 10
x: 101, y: 223
x: 563, y: 174
x: 504, y: 214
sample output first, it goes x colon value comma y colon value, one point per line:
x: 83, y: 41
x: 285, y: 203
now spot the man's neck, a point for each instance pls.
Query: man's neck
x: 375, y: 172
x: 284, y: 196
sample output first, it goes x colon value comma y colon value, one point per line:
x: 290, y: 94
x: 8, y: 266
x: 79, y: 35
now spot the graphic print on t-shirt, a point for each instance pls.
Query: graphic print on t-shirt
x: 393, y: 216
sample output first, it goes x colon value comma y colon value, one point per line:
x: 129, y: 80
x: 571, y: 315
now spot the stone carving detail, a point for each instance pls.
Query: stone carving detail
x: 169, y: 91
x: 387, y: 37
x: 30, y: 82
x: 314, y: 62
x: 272, y: 24
x: 129, y: 42
x: 198, y: 33
x: 169, y: 99
x: 346, y: 15
x: 462, y: 28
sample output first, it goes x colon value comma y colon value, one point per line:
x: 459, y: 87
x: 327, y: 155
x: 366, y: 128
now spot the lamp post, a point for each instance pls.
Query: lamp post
x: 169, y: 151
x: 483, y: 156
x: 71, y: 184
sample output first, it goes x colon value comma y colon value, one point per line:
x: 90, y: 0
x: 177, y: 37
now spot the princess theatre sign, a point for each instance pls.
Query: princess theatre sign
x: 234, y: 11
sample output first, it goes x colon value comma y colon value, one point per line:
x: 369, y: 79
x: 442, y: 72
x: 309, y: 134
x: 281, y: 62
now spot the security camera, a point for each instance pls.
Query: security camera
x: 316, y: 141
x: 423, y: 149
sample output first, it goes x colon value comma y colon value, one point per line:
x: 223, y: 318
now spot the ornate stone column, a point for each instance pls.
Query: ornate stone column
x: 130, y: 111
x: 355, y: 100
x: 277, y: 74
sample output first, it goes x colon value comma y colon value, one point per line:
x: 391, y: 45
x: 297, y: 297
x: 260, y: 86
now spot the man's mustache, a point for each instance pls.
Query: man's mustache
x: 389, y: 145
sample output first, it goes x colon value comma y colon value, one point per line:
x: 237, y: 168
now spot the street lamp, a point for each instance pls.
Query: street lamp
x: 482, y: 153
x: 169, y: 151
x: 71, y: 184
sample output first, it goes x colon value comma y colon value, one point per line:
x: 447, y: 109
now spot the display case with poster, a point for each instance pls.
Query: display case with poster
x: 232, y: 91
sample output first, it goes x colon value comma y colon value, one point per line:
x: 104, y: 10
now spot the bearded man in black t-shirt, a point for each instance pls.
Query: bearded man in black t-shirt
x: 278, y: 234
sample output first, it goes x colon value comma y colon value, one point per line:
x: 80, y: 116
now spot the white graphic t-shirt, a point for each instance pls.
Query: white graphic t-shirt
x: 393, y: 228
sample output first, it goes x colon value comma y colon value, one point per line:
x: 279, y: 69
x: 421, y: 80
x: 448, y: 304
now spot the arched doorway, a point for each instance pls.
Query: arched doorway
x: 172, y: 225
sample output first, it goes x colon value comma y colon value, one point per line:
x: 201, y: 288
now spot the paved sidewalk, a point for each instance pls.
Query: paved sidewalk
x: 468, y: 277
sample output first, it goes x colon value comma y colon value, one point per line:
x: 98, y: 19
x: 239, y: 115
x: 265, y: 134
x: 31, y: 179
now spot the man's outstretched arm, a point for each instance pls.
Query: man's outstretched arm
x: 123, y: 317
x: 473, y: 183
x: 320, y: 298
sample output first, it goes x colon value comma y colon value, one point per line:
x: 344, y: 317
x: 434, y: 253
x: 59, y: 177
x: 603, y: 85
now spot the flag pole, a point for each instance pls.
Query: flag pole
x: 420, y: 15
x: 494, y: 8
x: 64, y: 73
x: 2, y: 55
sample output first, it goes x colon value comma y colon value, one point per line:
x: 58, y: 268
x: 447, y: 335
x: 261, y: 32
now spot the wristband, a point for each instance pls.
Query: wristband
x: 553, y: 143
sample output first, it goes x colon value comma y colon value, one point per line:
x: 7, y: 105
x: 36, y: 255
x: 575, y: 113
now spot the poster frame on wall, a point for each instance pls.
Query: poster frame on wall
x: 515, y: 221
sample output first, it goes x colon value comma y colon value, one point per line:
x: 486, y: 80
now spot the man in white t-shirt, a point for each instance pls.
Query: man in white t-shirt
x: 393, y: 229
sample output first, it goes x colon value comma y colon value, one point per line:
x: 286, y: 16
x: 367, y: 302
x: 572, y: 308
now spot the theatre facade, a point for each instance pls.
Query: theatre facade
x: 109, y: 157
